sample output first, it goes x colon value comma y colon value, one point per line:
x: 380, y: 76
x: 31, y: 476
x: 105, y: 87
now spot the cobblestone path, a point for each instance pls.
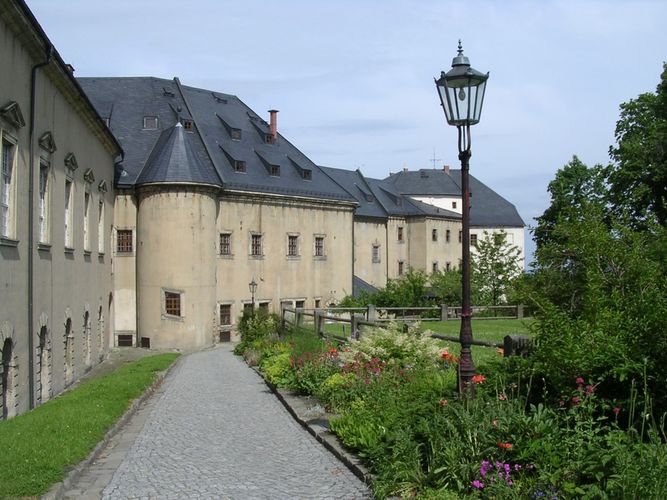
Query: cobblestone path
x: 216, y: 431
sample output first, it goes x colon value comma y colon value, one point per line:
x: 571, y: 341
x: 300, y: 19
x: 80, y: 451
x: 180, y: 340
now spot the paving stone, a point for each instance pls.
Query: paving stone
x: 214, y: 430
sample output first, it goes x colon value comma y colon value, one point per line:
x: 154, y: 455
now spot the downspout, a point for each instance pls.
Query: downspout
x: 31, y: 222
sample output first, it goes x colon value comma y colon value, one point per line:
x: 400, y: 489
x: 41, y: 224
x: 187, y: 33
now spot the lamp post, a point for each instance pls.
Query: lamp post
x: 253, y: 288
x: 461, y: 92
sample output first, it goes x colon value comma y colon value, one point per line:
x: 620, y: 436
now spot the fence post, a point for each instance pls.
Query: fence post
x: 519, y: 311
x: 282, y: 319
x: 371, y: 313
x: 298, y: 317
x: 354, y: 327
x: 444, y: 313
x: 319, y: 323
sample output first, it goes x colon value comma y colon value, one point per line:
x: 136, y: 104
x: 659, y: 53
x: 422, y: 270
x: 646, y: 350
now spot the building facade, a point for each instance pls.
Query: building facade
x: 57, y: 199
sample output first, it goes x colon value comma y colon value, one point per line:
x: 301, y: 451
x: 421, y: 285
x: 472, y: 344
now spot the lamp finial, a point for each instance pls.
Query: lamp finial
x: 460, y: 48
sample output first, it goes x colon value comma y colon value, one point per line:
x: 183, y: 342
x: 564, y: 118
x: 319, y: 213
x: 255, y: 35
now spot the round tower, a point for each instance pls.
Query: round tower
x: 176, y: 251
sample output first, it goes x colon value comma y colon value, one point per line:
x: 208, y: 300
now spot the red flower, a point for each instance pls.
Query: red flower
x: 505, y: 446
x: 448, y: 357
x: 478, y: 379
x: 616, y: 410
x: 579, y: 381
x: 589, y: 389
x: 575, y: 400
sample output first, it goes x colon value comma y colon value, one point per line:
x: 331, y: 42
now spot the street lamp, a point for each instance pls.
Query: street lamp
x: 461, y: 92
x: 253, y: 288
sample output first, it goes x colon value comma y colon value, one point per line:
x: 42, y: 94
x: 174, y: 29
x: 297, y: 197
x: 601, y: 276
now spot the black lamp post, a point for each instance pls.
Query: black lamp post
x: 461, y: 92
x: 253, y: 288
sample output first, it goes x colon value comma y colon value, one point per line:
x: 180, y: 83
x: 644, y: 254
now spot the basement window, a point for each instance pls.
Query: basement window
x: 150, y: 122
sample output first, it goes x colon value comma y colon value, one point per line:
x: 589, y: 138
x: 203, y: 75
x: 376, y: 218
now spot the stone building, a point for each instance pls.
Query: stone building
x: 136, y: 211
x: 57, y: 198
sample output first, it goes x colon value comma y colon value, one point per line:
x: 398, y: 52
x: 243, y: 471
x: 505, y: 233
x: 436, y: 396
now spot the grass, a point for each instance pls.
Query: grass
x: 39, y: 446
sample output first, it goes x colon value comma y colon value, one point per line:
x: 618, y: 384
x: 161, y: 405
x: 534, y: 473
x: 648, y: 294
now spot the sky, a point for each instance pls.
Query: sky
x: 353, y: 79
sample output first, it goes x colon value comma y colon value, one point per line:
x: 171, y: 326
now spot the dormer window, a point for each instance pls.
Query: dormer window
x: 275, y: 170
x: 188, y: 125
x: 268, y: 138
x: 308, y: 175
x: 150, y: 122
x: 235, y: 133
x: 239, y: 166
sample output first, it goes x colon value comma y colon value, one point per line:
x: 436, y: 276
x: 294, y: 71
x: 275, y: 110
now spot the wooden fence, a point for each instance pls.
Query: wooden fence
x: 357, y: 318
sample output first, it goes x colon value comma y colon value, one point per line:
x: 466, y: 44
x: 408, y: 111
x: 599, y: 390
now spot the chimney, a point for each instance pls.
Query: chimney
x: 273, y: 122
x: 445, y: 169
x: 405, y: 169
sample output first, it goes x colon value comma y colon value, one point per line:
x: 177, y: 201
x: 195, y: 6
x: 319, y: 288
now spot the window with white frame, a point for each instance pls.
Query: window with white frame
x: 68, y: 213
x: 86, y: 221
x: 124, y: 241
x: 100, y: 227
x: 44, y: 169
x: 7, y: 187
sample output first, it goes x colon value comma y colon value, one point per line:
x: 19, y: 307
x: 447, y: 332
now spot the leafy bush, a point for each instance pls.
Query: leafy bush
x: 278, y: 369
x: 256, y: 328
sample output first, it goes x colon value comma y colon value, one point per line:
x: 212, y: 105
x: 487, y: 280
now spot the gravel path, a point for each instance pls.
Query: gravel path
x: 214, y: 430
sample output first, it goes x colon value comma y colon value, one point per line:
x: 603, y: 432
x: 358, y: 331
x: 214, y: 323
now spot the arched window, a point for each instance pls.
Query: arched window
x: 87, y: 338
x: 8, y: 367
x: 44, y: 368
x: 69, y: 352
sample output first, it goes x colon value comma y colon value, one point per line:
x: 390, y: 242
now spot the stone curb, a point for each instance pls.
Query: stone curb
x: 57, y: 490
x: 297, y: 406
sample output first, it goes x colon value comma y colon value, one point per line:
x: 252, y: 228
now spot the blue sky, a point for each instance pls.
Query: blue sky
x: 353, y: 80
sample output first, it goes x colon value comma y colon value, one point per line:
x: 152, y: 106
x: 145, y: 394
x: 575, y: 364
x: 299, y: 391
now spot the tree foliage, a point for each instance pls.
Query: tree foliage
x: 446, y: 287
x: 575, y: 190
x: 495, y: 264
x: 638, y: 177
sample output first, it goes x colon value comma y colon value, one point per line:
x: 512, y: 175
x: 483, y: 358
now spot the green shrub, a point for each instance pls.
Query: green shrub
x: 278, y: 369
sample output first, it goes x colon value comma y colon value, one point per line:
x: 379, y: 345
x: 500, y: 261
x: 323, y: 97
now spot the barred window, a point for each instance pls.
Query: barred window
x: 172, y: 303
x: 292, y: 245
x: 124, y: 240
x: 473, y: 240
x: 225, y: 243
x: 256, y: 245
x: 448, y: 235
x: 319, y: 246
x: 400, y: 233
x: 434, y: 235
x: 434, y: 267
x: 376, y: 254
x: 401, y: 266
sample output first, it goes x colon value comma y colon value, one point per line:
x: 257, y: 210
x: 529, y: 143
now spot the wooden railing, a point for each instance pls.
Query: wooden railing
x: 298, y: 317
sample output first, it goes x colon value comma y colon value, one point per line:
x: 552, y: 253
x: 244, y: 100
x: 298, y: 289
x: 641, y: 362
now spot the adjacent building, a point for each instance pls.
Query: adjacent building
x: 56, y: 201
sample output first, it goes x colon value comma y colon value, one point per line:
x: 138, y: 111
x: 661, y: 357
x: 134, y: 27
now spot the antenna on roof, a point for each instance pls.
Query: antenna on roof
x: 434, y: 160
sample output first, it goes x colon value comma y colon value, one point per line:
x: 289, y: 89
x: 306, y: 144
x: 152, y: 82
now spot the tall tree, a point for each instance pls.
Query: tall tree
x: 638, y: 176
x: 495, y: 264
x: 574, y: 191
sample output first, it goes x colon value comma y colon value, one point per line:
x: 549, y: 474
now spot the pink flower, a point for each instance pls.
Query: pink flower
x: 616, y: 410
x: 580, y: 381
x: 502, y: 397
x: 477, y: 484
x: 561, y: 403
x: 589, y: 389
x: 575, y: 400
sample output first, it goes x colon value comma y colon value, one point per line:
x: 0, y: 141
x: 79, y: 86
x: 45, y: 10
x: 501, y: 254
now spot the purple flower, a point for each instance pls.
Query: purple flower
x: 477, y: 484
x: 484, y: 469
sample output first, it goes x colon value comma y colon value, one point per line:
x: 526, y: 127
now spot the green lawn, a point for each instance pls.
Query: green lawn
x: 36, y: 448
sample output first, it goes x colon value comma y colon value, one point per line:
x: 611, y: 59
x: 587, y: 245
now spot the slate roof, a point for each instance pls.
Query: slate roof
x: 359, y: 285
x: 379, y: 199
x: 487, y: 208
x: 210, y: 149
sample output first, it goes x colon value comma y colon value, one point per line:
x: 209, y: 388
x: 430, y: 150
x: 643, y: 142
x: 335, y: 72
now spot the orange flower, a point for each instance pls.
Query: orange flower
x: 478, y: 379
x: 500, y: 351
x: 505, y: 446
x: 448, y: 357
x: 443, y: 402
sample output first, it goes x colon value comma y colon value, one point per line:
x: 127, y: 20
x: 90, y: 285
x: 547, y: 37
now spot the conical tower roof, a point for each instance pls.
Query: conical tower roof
x: 174, y: 160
